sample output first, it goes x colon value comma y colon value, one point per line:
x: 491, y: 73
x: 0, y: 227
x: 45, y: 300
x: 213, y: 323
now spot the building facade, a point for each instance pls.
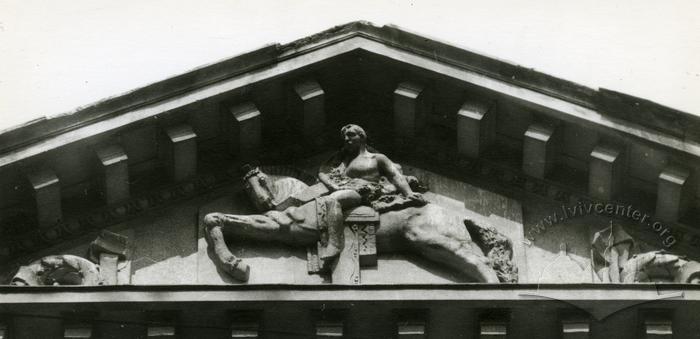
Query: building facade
x: 546, y: 209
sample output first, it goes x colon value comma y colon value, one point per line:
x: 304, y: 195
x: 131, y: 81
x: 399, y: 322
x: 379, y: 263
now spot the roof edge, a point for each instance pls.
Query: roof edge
x: 642, y: 111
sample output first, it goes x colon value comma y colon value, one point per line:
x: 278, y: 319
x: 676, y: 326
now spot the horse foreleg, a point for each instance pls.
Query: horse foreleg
x: 223, y: 258
x: 454, y: 253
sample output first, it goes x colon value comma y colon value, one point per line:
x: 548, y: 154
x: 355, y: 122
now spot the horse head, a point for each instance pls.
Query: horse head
x: 259, y: 188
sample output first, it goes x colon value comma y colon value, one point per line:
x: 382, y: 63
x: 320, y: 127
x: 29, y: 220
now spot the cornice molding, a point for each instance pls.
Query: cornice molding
x: 652, y: 122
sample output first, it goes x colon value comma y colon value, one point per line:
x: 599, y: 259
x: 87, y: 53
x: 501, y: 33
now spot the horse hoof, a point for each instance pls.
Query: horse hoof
x: 238, y: 270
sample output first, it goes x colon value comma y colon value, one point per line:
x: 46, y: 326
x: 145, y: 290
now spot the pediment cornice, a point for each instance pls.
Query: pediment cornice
x: 633, y: 116
x: 435, y: 108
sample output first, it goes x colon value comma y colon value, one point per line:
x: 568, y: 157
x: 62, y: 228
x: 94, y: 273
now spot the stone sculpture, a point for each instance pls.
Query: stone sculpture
x: 615, y: 261
x: 66, y: 269
x: 58, y: 270
x: 296, y: 214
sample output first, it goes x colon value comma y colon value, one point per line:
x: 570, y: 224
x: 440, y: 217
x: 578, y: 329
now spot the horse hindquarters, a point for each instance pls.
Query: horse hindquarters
x: 450, y: 251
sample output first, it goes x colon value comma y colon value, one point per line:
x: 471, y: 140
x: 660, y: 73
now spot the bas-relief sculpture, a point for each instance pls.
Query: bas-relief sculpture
x: 58, y: 270
x: 356, y: 177
x: 67, y: 269
x: 617, y: 259
x: 355, y: 186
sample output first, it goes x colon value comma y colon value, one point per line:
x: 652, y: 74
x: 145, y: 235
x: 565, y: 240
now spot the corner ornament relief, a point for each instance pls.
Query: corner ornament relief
x: 358, y: 181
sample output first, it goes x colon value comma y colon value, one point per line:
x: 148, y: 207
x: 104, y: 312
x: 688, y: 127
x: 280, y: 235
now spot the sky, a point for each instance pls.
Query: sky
x: 56, y: 56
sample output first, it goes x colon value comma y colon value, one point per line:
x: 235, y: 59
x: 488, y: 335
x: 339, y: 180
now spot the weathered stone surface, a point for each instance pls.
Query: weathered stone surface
x: 493, y: 329
x: 672, y: 195
x: 364, y: 221
x: 58, y: 270
x: 181, y: 151
x: 575, y: 327
x: 270, y: 262
x: 109, y: 242
x: 244, y: 129
x: 658, y: 327
x: 425, y: 227
x: 413, y: 224
x: 368, y: 245
x: 538, y: 150
x: 411, y: 329
x: 329, y: 329
x: 408, y: 115
x: 108, y: 268
x: 498, y: 249
x: 346, y: 270
x: 300, y: 198
x: 115, y: 172
x: 312, y: 114
x: 475, y: 128
x: 47, y: 193
x: 314, y: 265
x: 564, y: 269
x: 604, y: 173
x: 76, y: 331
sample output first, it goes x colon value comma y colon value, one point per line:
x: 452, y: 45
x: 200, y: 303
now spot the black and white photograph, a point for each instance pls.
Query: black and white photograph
x: 349, y: 169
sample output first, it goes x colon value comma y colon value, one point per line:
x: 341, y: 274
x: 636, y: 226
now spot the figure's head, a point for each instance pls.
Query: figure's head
x: 353, y: 136
x: 259, y: 188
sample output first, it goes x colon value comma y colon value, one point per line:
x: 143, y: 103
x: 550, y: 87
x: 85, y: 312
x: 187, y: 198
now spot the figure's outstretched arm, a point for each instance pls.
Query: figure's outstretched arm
x: 325, y: 170
x: 326, y: 180
x: 388, y: 169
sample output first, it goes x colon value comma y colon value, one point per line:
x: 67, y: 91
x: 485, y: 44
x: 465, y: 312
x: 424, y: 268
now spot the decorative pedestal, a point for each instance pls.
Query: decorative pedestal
x: 108, y: 268
x: 181, y: 152
x: 475, y: 128
x: 360, y: 245
x: 538, y: 150
x: 360, y: 248
x: 109, y: 249
x: 115, y: 173
x: 311, y: 115
x: 47, y: 193
x: 604, y: 173
x: 243, y: 128
x: 671, y: 196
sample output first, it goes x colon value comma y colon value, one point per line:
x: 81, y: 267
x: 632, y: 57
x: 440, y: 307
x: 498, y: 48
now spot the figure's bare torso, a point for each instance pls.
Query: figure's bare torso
x: 364, y: 166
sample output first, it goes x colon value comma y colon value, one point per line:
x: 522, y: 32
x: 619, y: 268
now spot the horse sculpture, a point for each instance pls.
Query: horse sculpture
x: 430, y: 231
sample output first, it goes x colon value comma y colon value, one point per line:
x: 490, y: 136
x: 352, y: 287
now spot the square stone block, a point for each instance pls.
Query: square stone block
x: 411, y: 330
x: 244, y: 129
x: 538, y: 150
x: 658, y: 328
x: 672, y: 198
x: 493, y: 329
x: 312, y: 118
x: 181, y: 151
x: 115, y: 173
x: 475, y: 128
x: 408, y: 116
x: 47, y: 193
x: 604, y: 173
x: 575, y: 326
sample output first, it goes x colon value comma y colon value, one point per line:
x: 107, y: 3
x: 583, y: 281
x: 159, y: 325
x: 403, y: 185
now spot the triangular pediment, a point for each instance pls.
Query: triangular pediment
x: 148, y: 164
